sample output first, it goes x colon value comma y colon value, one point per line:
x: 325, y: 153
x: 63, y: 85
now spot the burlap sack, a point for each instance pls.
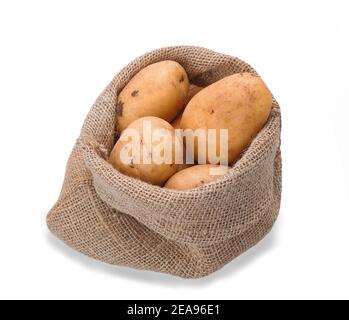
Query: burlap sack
x: 123, y: 221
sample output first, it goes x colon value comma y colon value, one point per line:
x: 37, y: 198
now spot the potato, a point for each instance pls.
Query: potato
x: 134, y: 166
x: 193, y: 90
x: 158, y: 90
x: 192, y: 177
x: 240, y: 103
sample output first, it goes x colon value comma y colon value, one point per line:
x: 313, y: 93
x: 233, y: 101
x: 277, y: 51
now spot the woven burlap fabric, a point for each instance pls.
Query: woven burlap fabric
x: 120, y: 220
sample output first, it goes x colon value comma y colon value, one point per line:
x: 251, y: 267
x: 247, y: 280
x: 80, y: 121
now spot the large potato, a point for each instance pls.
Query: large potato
x: 158, y: 90
x: 134, y: 166
x: 240, y: 103
x: 192, y: 177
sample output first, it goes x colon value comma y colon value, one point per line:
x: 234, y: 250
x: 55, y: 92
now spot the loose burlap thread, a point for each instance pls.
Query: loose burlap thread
x: 123, y: 221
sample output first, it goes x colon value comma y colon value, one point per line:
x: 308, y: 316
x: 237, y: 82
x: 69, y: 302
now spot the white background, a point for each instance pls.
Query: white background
x: 55, y: 59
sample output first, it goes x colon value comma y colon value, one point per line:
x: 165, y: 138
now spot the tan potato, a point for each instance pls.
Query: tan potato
x: 192, y: 177
x: 134, y: 166
x: 158, y: 90
x: 193, y: 90
x: 240, y: 103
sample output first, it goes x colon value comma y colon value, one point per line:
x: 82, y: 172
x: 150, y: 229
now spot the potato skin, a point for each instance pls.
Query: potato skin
x: 192, y: 177
x: 240, y: 103
x: 158, y: 90
x: 153, y: 173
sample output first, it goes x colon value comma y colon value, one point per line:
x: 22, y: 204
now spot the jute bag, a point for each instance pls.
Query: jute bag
x: 120, y: 220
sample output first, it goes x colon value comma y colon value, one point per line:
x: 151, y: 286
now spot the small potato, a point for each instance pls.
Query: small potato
x: 192, y: 177
x: 240, y: 103
x: 158, y: 90
x: 193, y: 90
x: 134, y: 165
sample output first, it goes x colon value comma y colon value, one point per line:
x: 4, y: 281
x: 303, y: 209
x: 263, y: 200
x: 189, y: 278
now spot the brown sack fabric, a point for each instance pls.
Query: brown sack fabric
x: 120, y: 220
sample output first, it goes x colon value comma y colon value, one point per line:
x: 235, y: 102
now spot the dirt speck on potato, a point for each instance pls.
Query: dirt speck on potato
x: 181, y: 79
x: 135, y: 93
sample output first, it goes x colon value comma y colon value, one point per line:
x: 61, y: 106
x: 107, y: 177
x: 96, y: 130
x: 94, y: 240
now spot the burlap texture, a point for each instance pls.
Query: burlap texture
x: 120, y: 220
